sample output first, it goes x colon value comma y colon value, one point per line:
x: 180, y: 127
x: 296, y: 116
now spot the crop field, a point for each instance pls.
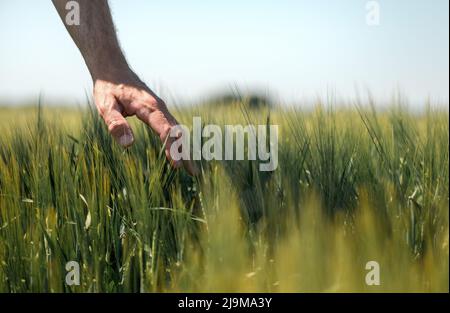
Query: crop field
x: 354, y: 185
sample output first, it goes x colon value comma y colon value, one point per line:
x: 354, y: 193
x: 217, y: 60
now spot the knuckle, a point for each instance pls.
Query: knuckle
x: 165, y: 132
x: 121, y: 88
x: 115, y: 124
x: 150, y: 102
x: 143, y: 111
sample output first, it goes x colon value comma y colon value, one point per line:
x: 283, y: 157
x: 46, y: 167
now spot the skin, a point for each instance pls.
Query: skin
x: 118, y: 91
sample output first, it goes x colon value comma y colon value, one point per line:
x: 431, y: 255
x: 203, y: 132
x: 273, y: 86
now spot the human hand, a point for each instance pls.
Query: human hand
x: 124, y: 94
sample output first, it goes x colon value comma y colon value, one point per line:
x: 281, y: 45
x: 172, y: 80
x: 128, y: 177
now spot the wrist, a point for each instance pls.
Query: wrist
x: 109, y: 68
x: 111, y: 72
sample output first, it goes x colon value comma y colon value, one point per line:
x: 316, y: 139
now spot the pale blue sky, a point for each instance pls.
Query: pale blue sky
x: 189, y: 49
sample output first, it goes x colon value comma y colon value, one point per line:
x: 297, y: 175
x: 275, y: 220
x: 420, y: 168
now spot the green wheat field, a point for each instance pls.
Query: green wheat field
x: 354, y: 184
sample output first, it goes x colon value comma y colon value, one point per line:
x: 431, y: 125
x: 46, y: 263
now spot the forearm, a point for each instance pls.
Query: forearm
x: 96, y: 38
x: 118, y: 92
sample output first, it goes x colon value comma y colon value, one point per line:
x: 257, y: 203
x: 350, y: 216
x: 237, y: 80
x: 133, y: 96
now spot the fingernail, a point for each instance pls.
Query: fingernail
x: 126, y: 140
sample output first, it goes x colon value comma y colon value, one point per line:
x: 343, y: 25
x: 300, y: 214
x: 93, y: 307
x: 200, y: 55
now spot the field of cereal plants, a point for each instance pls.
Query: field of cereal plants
x: 353, y: 185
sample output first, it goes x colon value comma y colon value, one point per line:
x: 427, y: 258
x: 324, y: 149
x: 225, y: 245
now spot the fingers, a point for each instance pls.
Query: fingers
x: 118, y: 126
x: 185, y: 161
x: 190, y: 166
x: 162, y: 122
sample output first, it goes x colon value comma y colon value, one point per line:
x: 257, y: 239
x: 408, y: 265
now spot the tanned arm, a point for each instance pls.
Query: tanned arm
x: 118, y: 91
